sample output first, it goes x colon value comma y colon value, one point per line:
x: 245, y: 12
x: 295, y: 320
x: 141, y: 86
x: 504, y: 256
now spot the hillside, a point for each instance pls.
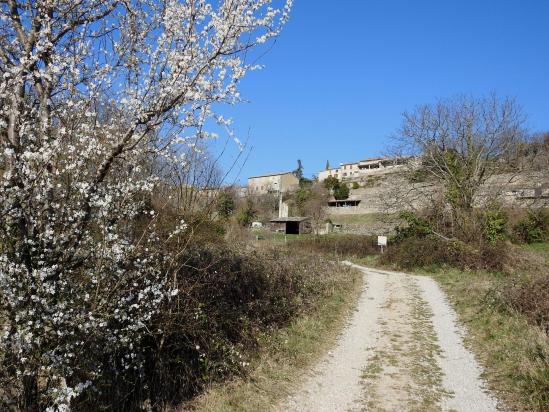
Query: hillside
x: 382, y: 196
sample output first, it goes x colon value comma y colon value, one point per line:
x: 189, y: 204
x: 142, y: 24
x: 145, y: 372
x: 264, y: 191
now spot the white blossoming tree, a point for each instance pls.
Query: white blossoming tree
x: 92, y: 94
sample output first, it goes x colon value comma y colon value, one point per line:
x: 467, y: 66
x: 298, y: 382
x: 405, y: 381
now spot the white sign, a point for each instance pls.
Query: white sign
x: 382, y: 240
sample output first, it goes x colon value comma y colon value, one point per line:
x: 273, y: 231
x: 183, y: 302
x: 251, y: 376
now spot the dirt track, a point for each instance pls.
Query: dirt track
x: 401, y: 351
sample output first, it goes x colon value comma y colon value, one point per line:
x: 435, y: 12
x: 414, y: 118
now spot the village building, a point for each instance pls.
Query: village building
x: 291, y: 225
x: 272, y: 183
x: 356, y: 170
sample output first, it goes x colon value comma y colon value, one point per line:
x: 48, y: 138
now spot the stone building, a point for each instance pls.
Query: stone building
x: 291, y: 225
x: 272, y: 183
x: 366, y: 167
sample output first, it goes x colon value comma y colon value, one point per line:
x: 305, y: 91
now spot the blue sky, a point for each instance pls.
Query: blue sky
x: 338, y: 79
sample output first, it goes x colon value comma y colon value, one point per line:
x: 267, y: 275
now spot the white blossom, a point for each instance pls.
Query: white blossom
x: 93, y: 95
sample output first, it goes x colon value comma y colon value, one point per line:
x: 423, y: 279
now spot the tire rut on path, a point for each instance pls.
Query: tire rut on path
x: 401, y: 351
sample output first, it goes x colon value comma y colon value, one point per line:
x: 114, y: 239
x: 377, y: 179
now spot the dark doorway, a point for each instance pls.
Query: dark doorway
x: 292, y: 228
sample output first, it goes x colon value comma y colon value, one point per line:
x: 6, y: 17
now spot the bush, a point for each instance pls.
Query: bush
x: 331, y: 182
x: 225, y: 205
x: 415, y: 227
x: 341, y: 245
x: 355, y: 186
x: 533, y: 228
x: 431, y: 251
x: 529, y: 296
x: 340, y: 189
x: 246, y: 215
x: 300, y: 198
x: 495, y: 223
x: 209, y: 331
x: 341, y: 192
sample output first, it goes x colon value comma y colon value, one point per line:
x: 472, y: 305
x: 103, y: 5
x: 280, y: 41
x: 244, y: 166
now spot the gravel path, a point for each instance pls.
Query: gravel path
x: 461, y: 371
x: 402, y: 350
x: 335, y: 383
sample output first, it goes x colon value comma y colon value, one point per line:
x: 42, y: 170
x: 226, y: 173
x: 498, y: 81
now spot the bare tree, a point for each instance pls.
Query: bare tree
x: 462, y: 142
x: 315, y: 206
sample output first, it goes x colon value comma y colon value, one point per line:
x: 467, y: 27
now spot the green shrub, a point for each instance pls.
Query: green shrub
x: 356, y: 185
x: 300, y: 198
x: 331, y: 183
x: 341, y: 192
x: 246, y: 215
x: 225, y: 205
x: 415, y: 227
x: 533, y: 228
x: 495, y: 223
x: 340, y: 189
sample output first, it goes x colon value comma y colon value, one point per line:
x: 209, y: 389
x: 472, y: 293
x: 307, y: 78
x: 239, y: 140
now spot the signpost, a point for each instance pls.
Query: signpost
x: 382, y: 242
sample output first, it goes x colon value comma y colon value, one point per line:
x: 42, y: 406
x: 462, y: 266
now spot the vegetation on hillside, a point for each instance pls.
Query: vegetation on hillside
x: 340, y: 190
x: 124, y: 281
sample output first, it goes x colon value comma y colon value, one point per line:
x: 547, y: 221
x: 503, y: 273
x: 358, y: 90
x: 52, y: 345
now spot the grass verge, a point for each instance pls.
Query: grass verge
x: 513, y: 351
x: 541, y: 249
x: 285, y: 353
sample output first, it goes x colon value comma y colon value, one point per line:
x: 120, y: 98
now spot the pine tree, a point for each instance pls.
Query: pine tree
x: 299, y: 171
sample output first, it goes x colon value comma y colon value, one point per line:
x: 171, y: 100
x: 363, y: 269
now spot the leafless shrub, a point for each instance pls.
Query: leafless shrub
x: 529, y: 296
x: 431, y: 251
x: 339, y: 245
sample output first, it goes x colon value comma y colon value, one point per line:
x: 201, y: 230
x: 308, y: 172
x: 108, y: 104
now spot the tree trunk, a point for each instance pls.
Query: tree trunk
x: 30, y: 394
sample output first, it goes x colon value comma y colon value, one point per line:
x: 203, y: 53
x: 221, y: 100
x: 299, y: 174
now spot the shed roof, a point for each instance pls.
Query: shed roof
x: 289, y: 219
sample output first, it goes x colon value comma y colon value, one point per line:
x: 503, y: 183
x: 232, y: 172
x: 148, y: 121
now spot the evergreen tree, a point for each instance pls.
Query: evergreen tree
x: 341, y: 192
x: 225, y: 205
x: 299, y: 171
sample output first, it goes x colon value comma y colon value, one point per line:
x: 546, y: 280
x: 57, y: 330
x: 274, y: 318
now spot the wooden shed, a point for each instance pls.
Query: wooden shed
x: 291, y: 225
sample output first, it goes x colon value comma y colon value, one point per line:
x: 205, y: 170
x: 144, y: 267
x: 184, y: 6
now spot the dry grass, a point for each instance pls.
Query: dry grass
x: 505, y: 316
x: 539, y: 249
x: 286, y: 353
x: 514, y: 352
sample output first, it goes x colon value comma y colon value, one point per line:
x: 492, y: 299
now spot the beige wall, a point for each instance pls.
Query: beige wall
x: 351, y: 171
x: 288, y: 182
x: 274, y: 183
x: 343, y: 172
